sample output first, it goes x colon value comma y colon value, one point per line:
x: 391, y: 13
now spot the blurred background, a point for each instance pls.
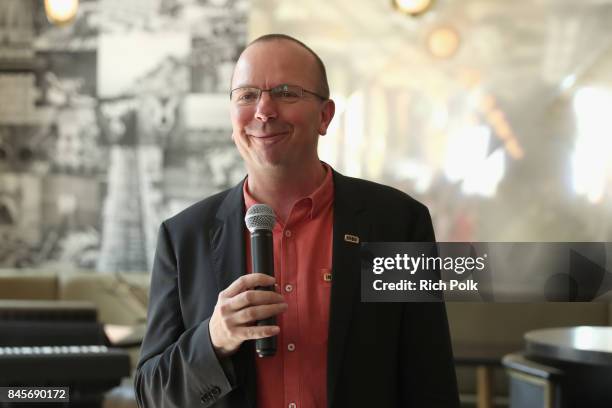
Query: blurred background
x: 114, y: 115
x: 496, y: 114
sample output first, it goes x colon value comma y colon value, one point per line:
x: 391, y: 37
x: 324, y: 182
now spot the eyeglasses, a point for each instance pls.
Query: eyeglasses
x: 249, y: 95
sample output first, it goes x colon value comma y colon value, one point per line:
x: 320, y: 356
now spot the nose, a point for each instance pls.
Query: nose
x: 266, y: 108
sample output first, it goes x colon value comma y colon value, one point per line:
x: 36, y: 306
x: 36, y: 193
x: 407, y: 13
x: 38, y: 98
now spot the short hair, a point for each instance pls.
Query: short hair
x: 323, y: 84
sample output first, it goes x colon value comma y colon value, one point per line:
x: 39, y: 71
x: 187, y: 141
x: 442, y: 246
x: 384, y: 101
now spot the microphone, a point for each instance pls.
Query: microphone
x: 260, y: 220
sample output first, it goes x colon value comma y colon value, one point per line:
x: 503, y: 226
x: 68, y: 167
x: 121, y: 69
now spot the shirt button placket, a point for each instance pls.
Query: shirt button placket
x: 290, y: 329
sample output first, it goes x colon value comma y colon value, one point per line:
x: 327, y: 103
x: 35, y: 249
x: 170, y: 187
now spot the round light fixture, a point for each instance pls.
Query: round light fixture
x: 412, y: 7
x: 443, y: 42
x: 61, y: 11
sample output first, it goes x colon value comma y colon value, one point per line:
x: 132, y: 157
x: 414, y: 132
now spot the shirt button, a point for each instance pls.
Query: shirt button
x: 288, y: 288
x: 290, y: 346
x: 288, y: 233
x: 292, y: 405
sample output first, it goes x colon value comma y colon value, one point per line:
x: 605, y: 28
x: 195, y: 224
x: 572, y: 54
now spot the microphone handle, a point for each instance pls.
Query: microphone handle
x: 262, y: 256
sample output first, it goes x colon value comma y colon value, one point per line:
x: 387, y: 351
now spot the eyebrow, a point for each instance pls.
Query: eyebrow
x: 272, y: 87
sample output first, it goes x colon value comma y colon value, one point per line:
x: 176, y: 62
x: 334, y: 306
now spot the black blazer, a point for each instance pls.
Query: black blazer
x: 379, y: 354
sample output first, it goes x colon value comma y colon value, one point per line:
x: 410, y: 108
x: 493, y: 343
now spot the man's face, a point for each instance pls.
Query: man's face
x: 270, y: 133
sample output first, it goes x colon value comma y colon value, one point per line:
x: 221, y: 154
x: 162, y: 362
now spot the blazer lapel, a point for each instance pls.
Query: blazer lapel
x: 348, y: 224
x: 229, y: 253
x: 227, y: 239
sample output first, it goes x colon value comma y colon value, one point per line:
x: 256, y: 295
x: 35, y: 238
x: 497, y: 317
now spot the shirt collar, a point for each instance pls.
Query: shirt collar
x: 318, y: 199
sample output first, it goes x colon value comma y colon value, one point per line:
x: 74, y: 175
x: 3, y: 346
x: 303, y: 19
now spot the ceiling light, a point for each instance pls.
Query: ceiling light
x: 443, y: 42
x: 61, y: 11
x: 412, y: 7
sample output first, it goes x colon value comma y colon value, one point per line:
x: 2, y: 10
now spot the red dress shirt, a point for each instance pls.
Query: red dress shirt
x: 296, y: 377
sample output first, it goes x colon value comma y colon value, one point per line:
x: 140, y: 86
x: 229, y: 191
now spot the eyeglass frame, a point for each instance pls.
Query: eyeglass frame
x: 323, y: 98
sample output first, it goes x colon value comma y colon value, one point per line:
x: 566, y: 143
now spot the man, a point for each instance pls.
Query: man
x: 333, y: 350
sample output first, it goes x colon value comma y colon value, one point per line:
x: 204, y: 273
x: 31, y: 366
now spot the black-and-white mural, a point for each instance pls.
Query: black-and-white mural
x: 110, y: 124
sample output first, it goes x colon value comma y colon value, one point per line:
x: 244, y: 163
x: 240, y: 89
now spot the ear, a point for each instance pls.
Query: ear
x: 327, y: 114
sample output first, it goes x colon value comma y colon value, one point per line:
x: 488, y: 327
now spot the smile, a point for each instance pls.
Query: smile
x: 269, y: 139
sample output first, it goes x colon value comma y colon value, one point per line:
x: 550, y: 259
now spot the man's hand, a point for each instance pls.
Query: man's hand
x: 238, y: 307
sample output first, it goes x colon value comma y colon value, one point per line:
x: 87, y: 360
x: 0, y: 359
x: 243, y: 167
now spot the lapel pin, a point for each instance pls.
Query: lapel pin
x: 351, y: 238
x: 327, y: 277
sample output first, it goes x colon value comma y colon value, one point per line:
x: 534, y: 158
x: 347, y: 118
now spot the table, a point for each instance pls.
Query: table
x: 582, y: 344
x: 583, y: 355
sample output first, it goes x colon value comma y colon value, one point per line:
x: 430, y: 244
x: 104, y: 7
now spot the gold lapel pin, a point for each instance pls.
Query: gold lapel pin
x: 351, y: 238
x: 327, y: 277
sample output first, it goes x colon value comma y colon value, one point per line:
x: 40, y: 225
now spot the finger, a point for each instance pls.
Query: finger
x: 255, y: 298
x: 246, y: 282
x: 257, y: 332
x: 254, y: 313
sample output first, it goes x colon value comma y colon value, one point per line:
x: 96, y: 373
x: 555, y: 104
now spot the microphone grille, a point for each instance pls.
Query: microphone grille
x: 260, y: 216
